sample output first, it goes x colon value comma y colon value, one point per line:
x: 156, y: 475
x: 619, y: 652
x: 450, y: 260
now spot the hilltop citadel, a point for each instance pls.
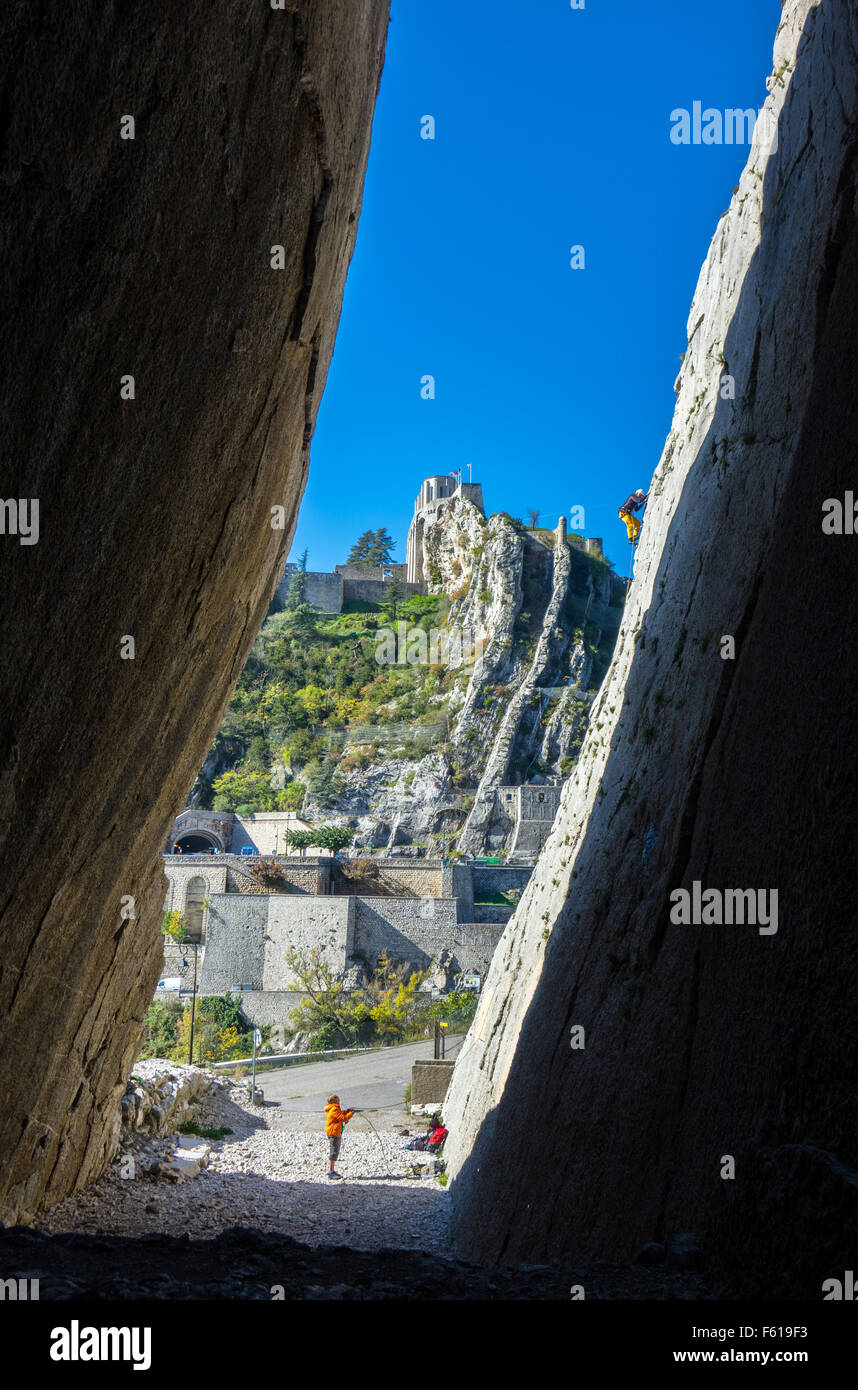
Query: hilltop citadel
x: 246, y: 899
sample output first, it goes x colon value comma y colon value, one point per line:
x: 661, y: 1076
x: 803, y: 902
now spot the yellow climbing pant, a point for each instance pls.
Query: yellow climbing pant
x: 633, y: 526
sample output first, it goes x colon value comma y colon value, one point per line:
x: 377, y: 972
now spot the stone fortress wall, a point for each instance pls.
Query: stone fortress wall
x: 327, y: 876
x: 411, y: 913
x: 330, y: 592
x: 247, y: 938
x: 324, y: 591
x: 530, y: 810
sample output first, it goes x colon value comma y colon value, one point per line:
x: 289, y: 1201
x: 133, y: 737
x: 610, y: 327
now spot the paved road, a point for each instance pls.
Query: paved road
x: 366, y: 1081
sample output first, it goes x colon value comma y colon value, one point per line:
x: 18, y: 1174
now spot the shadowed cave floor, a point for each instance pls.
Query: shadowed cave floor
x: 248, y: 1264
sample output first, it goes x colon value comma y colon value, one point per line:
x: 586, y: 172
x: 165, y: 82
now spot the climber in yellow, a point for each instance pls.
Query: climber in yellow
x: 627, y: 513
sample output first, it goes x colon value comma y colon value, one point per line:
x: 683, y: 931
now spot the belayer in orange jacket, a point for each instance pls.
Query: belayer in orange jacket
x: 335, y: 1118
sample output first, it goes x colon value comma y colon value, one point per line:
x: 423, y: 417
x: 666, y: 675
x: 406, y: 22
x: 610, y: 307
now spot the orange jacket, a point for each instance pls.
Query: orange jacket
x: 335, y: 1118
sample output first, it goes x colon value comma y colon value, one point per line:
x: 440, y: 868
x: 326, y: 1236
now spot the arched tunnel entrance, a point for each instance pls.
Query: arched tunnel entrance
x: 197, y: 842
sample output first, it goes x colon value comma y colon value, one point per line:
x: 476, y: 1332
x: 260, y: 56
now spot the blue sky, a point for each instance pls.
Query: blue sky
x: 552, y: 130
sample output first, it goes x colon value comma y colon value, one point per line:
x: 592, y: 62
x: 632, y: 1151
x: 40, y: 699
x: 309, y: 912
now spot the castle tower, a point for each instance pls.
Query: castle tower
x: 429, y: 504
x: 434, y: 489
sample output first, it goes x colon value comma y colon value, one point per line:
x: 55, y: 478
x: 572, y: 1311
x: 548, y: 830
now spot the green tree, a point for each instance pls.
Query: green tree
x: 224, y: 1010
x: 301, y: 747
x: 300, y: 840
x: 392, y: 596
x: 371, y: 549
x: 291, y: 798
x: 396, y: 1008
x: 381, y: 547
x: 328, y: 1008
x: 219, y: 1031
x: 296, y: 596
x: 332, y: 837
x: 174, y: 927
x: 387, y: 1006
x: 459, y: 1007
x: 360, y: 550
x: 160, y: 1027
x: 302, y: 620
x: 316, y: 701
x: 242, y: 791
x: 256, y: 757
x: 283, y: 711
x: 324, y: 784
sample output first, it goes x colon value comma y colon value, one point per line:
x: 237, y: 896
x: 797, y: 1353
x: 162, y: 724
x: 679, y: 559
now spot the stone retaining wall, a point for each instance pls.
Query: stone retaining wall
x: 492, y: 912
x: 430, y: 1080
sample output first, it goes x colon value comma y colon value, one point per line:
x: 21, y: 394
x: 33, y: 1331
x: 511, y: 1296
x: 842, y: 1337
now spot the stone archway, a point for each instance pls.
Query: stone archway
x: 197, y: 892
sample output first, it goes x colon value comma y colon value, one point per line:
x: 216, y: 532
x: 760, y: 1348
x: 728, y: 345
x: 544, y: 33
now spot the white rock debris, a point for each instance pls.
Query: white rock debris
x: 269, y: 1174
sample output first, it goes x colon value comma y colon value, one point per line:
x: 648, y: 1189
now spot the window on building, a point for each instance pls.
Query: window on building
x: 540, y: 796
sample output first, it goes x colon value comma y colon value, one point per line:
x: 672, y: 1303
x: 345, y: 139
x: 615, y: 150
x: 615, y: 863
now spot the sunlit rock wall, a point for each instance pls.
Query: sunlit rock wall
x: 707, y: 1043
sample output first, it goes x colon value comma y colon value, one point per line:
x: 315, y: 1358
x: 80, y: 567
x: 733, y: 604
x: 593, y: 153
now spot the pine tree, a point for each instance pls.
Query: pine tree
x: 392, y: 596
x: 371, y: 549
x: 360, y: 550
x: 296, y: 594
x: 381, y: 548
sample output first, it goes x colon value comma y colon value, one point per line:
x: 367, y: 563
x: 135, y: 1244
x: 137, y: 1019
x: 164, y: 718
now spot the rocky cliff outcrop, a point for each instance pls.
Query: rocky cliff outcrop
x: 152, y: 258
x: 528, y: 614
x: 725, y: 763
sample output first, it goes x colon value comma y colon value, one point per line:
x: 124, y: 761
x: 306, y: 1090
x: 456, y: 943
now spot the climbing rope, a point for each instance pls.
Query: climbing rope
x: 632, y: 548
x: 375, y: 1132
x: 390, y: 1176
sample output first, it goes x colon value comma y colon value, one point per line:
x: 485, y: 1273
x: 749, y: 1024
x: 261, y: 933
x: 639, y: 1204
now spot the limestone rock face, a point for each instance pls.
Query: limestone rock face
x: 148, y: 258
x: 526, y: 615
x: 703, y: 1041
x: 477, y: 563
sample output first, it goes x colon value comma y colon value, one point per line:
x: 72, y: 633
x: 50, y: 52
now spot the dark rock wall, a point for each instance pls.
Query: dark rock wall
x: 704, y: 1042
x: 148, y: 257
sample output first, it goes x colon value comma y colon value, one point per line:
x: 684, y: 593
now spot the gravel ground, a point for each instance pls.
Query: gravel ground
x: 270, y: 1173
x: 379, y: 1234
